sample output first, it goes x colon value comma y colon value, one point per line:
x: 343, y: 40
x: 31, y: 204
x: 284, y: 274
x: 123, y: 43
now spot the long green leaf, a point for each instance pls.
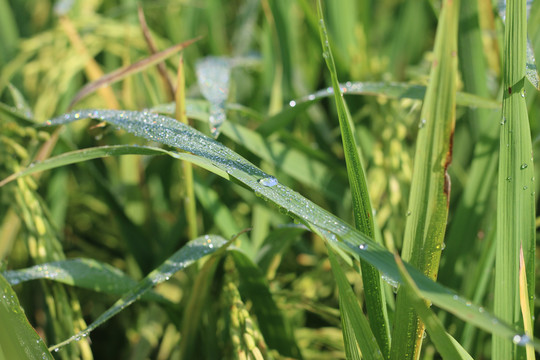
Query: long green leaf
x: 515, y: 209
x: 77, y: 156
x: 187, y: 255
x: 169, y: 131
x: 430, y: 188
x: 84, y: 273
x: 363, y: 213
x: 388, y: 90
x: 18, y: 340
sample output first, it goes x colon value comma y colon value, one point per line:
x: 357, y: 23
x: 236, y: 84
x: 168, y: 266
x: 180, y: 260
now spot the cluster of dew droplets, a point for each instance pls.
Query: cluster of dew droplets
x: 213, y: 77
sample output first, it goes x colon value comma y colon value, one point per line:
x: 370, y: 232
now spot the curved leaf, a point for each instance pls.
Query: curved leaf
x: 187, y: 255
x: 84, y: 273
x: 160, y: 128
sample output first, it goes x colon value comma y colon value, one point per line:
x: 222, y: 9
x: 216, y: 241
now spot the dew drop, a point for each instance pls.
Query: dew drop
x: 523, y: 166
x: 503, y: 120
x: 522, y: 93
x: 292, y: 103
x: 525, y: 187
x: 56, y: 349
x: 268, y: 181
x: 521, y: 339
x: 409, y: 213
x: 363, y: 246
x: 509, y: 179
x: 422, y: 123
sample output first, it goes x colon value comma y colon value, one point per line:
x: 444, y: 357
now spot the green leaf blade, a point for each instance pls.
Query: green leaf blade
x: 335, y: 230
x: 362, y: 210
x: 516, y: 201
x: 18, y: 340
x: 430, y: 189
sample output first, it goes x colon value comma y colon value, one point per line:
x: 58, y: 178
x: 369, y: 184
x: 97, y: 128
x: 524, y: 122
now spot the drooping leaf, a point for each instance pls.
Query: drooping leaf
x: 85, y: 273
x: 169, y: 131
x: 187, y: 255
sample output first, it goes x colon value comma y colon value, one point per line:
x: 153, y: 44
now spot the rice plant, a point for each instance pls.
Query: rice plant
x: 268, y: 179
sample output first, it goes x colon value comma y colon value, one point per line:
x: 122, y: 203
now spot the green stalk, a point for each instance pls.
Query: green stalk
x: 187, y: 169
x: 363, y: 213
x: 430, y: 188
x: 515, y: 210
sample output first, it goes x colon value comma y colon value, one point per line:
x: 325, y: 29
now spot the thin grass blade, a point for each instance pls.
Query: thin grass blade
x: 363, y: 212
x: 119, y: 74
x: 524, y: 303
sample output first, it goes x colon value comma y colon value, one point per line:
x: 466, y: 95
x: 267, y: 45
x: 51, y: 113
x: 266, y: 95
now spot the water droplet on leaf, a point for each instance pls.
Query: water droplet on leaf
x: 268, y: 181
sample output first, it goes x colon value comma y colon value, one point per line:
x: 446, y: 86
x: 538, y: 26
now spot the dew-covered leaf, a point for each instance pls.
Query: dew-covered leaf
x: 168, y: 131
x: 18, y: 340
x: 300, y: 166
x: 77, y: 156
x: 84, y: 273
x: 385, y: 89
x: 187, y: 255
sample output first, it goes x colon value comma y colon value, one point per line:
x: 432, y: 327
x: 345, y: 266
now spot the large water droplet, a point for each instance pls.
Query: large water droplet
x: 268, y: 181
x: 521, y: 339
